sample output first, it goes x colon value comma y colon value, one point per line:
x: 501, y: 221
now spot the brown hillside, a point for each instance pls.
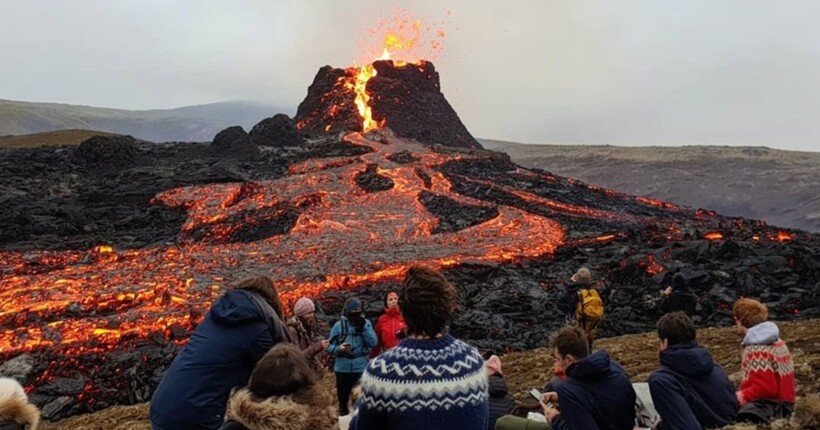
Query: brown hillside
x: 529, y: 369
x: 777, y: 186
x: 50, y: 138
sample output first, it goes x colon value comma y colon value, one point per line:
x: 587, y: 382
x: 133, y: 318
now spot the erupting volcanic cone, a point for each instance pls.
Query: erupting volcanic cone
x: 405, y: 97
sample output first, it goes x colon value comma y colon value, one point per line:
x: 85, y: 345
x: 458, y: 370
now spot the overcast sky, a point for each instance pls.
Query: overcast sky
x: 635, y: 72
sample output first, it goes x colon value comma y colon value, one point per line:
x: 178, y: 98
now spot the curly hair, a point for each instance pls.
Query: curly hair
x: 676, y: 327
x: 570, y: 340
x: 263, y: 286
x: 427, y: 301
x: 750, y: 312
x: 284, y: 370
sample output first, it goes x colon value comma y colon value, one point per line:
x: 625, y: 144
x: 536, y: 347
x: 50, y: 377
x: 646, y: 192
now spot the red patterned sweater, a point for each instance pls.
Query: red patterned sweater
x: 768, y: 371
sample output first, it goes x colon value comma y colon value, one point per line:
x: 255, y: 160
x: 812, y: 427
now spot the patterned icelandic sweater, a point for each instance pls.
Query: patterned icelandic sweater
x: 424, y: 384
x: 768, y: 371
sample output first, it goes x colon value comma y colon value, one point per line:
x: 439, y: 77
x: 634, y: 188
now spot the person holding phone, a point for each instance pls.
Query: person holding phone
x: 351, y: 339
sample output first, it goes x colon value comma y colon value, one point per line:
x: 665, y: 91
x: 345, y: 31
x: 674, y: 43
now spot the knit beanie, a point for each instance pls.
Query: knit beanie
x: 352, y: 305
x: 493, y: 365
x: 303, y: 306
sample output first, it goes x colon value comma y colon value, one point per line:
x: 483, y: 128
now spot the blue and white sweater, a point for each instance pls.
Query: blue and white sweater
x: 424, y: 384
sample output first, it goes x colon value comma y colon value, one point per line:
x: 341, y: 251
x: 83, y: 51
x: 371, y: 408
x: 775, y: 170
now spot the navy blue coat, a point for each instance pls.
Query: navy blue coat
x: 596, y: 395
x: 219, y: 356
x: 690, y: 391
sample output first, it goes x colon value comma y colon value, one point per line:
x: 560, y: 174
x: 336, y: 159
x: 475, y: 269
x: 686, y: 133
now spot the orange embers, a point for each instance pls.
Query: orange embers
x: 713, y: 235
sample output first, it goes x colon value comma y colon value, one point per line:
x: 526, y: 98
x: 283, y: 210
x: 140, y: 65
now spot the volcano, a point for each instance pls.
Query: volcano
x: 112, y: 251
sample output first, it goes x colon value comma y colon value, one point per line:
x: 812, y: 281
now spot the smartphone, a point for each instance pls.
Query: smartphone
x: 540, y: 397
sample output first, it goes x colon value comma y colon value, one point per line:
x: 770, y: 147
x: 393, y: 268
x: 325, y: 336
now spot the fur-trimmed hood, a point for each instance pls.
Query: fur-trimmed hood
x: 315, y: 411
x: 17, y: 409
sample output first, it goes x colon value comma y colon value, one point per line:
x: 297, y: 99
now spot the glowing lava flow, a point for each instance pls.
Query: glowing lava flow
x: 344, y: 237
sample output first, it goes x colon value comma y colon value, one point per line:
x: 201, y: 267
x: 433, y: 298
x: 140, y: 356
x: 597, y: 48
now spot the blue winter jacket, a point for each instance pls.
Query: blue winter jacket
x: 219, y: 356
x: 596, y: 395
x: 690, y: 391
x: 361, y: 342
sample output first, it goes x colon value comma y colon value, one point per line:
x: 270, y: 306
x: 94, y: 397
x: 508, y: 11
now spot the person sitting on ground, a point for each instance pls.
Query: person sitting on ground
x: 304, y: 331
x: 597, y: 393
x: 431, y: 380
x: 767, y: 388
x: 390, y: 328
x: 283, y: 394
x: 678, y: 297
x: 689, y: 391
x: 16, y: 413
x: 501, y: 401
x: 240, y: 328
x: 351, y: 339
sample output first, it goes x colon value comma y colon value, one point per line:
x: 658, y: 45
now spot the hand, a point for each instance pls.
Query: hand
x: 666, y: 292
x: 325, y: 343
x: 550, y: 397
x: 345, y: 348
x: 550, y: 412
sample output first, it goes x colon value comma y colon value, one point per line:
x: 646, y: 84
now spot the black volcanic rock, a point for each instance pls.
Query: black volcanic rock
x: 328, y: 107
x: 455, y: 216
x: 232, y: 140
x: 106, y: 151
x: 406, y: 98
x: 409, y: 98
x: 277, y: 131
x: 371, y: 181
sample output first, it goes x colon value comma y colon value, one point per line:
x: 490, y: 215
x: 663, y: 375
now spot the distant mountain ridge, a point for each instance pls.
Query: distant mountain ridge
x: 777, y: 186
x: 197, y: 123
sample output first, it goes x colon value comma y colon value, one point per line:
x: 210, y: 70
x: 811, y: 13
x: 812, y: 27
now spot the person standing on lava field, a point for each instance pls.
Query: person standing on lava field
x: 304, y: 331
x: 767, y: 388
x: 239, y: 329
x: 678, y: 297
x: 390, y: 328
x: 583, y: 303
x: 351, y: 340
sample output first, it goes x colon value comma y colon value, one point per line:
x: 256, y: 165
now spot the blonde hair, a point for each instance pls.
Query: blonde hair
x: 582, y: 276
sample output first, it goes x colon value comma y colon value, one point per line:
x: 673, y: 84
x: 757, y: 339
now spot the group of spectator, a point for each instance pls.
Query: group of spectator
x: 246, y: 367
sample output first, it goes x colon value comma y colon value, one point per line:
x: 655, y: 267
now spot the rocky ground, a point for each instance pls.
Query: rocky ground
x: 779, y: 187
x: 525, y: 370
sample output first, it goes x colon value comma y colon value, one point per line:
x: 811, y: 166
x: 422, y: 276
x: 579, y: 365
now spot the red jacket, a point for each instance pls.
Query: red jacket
x: 768, y: 371
x: 386, y: 327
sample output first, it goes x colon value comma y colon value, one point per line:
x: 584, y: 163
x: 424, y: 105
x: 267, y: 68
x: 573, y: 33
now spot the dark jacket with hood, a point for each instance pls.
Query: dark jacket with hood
x: 690, y: 391
x: 681, y: 298
x: 313, y: 410
x: 596, y: 395
x: 501, y: 401
x: 568, y: 302
x: 220, y: 355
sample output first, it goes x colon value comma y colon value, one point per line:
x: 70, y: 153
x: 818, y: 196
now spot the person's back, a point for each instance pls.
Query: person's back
x: 501, y: 401
x: 219, y: 356
x: 689, y: 390
x: 597, y: 394
x: 282, y: 394
x: 767, y: 388
x: 430, y: 380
